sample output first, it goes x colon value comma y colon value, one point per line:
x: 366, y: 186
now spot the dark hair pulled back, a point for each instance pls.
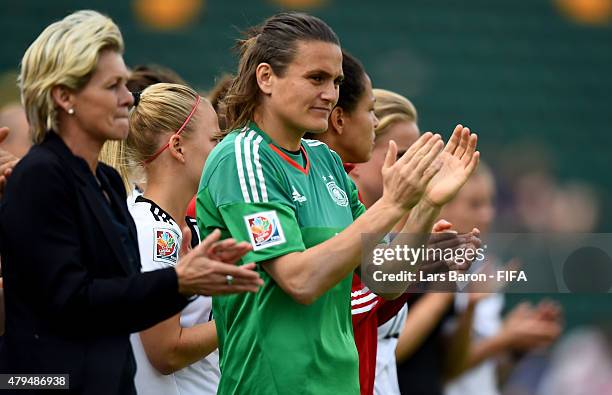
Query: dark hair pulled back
x: 274, y: 42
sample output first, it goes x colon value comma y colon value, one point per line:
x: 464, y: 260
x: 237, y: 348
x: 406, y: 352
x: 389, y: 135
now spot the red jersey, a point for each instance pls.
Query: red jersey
x: 368, y: 311
x: 191, y: 208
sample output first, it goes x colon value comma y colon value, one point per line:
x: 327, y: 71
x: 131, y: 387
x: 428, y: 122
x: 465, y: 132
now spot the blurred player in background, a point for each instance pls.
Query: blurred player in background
x: 352, y: 126
x: 494, y: 339
x: 171, y: 134
x: 398, y: 122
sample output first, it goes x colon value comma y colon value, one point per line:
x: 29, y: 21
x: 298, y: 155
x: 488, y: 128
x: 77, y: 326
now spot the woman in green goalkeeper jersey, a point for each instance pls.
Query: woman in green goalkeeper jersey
x: 291, y: 199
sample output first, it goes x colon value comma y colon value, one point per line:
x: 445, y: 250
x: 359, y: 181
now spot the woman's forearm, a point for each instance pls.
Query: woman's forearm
x: 307, y: 275
x: 422, y: 317
x: 458, y: 344
x: 485, y: 349
x: 194, y: 344
x: 170, y: 347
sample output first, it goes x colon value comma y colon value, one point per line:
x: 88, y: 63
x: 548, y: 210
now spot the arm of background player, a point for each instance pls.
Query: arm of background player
x: 457, y: 344
x: 524, y: 328
x: 389, y: 308
x: 170, y: 347
x: 422, y: 318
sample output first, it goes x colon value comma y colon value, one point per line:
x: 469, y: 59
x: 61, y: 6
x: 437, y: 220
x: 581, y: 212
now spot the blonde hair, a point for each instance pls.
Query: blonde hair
x: 391, y: 108
x: 113, y: 154
x: 65, y: 53
x: 161, y: 110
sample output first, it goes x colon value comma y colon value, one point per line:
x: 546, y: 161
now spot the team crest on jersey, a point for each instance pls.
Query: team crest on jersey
x: 337, y: 194
x: 166, y: 246
x: 264, y: 230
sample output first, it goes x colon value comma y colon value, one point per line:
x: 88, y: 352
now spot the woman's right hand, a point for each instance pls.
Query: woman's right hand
x: 229, y: 251
x: 405, y: 179
x: 525, y: 329
x: 199, y: 274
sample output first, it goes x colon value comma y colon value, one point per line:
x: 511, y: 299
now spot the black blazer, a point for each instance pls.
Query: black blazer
x: 73, y: 292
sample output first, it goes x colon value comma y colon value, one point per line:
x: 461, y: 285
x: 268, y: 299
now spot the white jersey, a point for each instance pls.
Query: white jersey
x: 481, y: 379
x: 159, y: 241
x: 385, y: 382
x: 131, y: 199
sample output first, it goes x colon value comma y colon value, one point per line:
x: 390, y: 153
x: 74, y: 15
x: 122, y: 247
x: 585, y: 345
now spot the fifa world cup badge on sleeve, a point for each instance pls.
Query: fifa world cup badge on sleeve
x: 166, y: 246
x: 264, y: 230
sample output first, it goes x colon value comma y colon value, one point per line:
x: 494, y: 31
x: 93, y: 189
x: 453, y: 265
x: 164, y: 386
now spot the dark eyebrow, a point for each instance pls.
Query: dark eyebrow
x: 324, y: 74
x: 318, y: 71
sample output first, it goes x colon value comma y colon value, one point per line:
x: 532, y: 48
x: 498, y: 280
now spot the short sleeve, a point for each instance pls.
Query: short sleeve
x: 357, y: 208
x: 249, y: 202
x: 159, y: 244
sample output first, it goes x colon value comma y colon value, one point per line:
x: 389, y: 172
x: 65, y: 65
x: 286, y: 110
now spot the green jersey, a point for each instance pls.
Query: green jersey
x: 280, y: 202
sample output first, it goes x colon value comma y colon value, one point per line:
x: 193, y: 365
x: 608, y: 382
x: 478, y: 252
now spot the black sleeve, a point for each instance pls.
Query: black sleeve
x: 39, y: 220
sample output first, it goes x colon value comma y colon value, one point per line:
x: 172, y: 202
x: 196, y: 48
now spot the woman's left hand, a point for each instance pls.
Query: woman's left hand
x: 457, y: 162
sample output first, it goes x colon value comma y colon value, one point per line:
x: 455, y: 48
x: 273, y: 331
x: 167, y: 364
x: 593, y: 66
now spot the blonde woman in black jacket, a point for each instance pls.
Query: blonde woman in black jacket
x: 70, y: 259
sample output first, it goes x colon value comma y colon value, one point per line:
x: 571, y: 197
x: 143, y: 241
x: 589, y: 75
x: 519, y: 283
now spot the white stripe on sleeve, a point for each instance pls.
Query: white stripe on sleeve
x: 243, y: 186
x: 249, y: 165
x: 262, y: 180
x: 364, y: 308
x: 364, y: 299
x: 362, y: 291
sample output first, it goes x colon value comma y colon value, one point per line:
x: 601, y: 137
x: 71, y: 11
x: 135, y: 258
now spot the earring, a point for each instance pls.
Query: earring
x: 71, y: 111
